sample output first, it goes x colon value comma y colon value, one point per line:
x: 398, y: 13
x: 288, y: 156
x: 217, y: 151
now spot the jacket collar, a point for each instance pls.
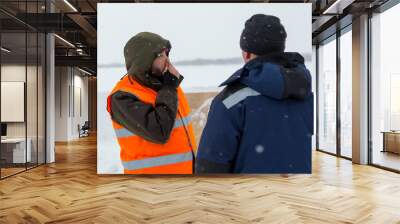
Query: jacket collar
x: 147, y: 80
x: 287, y: 59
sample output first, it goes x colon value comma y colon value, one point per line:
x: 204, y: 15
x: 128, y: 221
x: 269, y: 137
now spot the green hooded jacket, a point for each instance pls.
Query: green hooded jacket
x: 153, y: 123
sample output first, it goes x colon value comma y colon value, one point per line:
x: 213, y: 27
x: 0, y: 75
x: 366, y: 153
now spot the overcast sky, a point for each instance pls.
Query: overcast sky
x: 196, y: 30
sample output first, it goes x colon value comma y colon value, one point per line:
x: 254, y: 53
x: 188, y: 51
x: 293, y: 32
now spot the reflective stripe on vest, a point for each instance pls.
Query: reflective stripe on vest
x: 157, y: 161
x: 123, y: 132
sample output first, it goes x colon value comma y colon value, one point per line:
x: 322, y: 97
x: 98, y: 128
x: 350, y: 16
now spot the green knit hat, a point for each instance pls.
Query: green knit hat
x: 141, y: 50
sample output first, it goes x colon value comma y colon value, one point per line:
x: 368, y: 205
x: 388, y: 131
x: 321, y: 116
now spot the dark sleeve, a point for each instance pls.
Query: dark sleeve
x: 218, y: 148
x: 153, y: 123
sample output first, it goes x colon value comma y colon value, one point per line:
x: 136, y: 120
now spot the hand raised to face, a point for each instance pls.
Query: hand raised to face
x: 171, y: 68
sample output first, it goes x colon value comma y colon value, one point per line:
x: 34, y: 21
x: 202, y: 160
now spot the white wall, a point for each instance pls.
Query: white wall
x: 70, y: 84
x: 16, y: 73
x: 61, y: 106
x: 80, y: 89
x: 33, y: 126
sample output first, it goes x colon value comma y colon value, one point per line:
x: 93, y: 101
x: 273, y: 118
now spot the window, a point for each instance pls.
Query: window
x: 385, y: 89
x: 22, y: 76
x: 346, y: 93
x: 327, y: 96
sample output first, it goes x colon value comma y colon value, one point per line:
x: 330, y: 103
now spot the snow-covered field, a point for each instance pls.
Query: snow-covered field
x: 200, y: 105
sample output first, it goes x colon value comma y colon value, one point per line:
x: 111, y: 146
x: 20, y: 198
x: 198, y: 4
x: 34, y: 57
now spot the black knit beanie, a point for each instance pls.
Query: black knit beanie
x: 263, y: 34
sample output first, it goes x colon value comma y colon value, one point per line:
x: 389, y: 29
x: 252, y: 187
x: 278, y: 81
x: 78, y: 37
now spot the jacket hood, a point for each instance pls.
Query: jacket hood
x: 140, y: 52
x: 276, y: 75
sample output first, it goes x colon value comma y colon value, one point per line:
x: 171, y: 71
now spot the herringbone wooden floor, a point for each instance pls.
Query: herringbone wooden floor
x: 70, y: 191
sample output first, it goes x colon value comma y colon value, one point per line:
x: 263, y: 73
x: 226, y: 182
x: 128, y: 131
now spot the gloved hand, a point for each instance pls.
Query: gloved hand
x: 171, y: 76
x: 171, y: 80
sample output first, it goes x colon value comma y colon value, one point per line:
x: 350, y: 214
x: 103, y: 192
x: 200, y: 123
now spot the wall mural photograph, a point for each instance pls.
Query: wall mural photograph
x: 194, y: 95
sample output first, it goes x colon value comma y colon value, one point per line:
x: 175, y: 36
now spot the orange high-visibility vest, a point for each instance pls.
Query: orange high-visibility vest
x: 139, y: 156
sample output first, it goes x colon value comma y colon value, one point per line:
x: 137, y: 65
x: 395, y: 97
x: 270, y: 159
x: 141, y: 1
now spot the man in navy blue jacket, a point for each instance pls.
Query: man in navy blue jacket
x: 262, y: 122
